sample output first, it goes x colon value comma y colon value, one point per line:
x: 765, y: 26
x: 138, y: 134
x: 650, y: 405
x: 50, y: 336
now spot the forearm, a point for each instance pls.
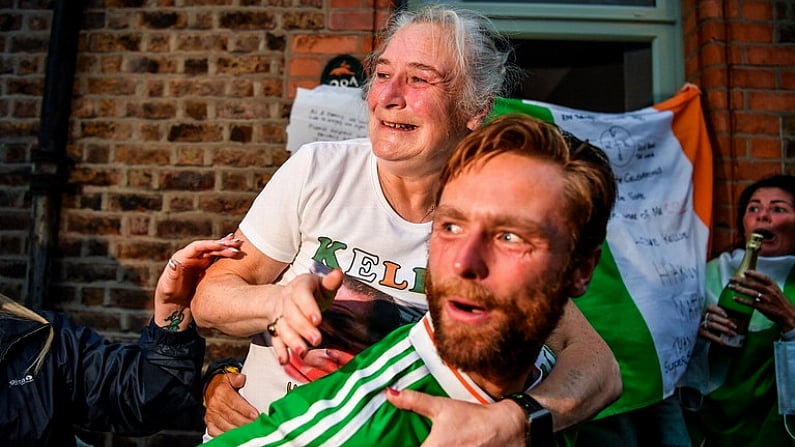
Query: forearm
x: 586, y: 377
x: 584, y: 381
x: 233, y: 306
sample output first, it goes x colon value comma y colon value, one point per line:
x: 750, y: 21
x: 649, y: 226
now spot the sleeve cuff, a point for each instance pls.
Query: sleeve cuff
x: 163, y: 336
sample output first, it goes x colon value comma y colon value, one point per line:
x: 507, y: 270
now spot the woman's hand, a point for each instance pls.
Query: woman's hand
x: 501, y: 424
x: 177, y: 283
x: 715, y: 322
x: 768, y: 298
x: 296, y: 327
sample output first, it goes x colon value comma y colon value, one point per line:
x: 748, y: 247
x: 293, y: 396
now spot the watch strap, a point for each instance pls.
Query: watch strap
x: 223, y: 366
x: 539, y: 420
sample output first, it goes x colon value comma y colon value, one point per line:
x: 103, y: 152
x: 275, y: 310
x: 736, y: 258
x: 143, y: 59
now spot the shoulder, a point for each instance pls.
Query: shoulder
x: 333, y: 150
x: 727, y: 258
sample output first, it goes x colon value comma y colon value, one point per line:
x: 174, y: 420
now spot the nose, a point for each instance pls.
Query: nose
x: 469, y: 261
x: 763, y: 213
x: 392, y: 92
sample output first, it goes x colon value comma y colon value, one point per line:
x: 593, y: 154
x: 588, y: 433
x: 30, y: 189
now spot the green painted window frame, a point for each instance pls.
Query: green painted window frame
x: 660, y: 26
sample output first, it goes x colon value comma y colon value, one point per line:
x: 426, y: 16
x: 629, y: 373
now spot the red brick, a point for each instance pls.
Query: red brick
x: 311, y: 43
x: 715, y: 76
x: 766, y: 148
x: 772, y: 101
x: 787, y: 80
x: 716, y: 99
x: 306, y: 66
x: 753, y: 77
x: 711, y: 31
x: 751, y: 32
x: 351, y: 20
x: 757, y: 10
x: 719, y: 121
x: 710, y: 9
x: 754, y: 170
x: 757, y: 123
x: 713, y: 54
x: 344, y: 3
x: 771, y: 55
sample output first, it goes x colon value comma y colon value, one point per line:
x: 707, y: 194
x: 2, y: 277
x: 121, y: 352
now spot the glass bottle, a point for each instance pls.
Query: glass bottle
x: 740, y: 314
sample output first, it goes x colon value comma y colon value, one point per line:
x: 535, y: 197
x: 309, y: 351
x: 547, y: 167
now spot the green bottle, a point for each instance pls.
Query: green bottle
x: 740, y: 313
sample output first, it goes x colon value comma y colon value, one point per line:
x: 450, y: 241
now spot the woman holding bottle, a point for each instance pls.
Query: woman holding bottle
x: 736, y: 404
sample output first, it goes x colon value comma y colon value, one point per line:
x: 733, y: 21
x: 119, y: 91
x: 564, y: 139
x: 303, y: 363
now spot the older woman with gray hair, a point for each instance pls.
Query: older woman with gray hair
x: 365, y: 207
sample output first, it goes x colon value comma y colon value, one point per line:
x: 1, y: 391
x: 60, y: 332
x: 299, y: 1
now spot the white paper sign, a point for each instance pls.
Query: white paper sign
x: 326, y: 113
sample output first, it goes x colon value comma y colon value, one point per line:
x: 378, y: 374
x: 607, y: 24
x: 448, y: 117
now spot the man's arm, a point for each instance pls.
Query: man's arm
x: 586, y: 377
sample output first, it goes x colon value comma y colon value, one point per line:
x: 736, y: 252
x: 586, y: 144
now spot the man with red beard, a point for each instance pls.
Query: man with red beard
x: 520, y: 220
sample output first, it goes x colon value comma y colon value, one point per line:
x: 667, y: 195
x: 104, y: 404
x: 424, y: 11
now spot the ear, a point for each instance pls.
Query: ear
x: 477, y: 120
x: 581, y: 275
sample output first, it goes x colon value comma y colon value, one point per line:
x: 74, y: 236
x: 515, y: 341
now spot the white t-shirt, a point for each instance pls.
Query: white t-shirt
x: 325, y: 204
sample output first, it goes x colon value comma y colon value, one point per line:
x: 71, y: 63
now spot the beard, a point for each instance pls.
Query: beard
x: 509, y: 343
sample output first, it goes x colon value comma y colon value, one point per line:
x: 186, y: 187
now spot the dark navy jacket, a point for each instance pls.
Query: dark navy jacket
x: 85, y: 381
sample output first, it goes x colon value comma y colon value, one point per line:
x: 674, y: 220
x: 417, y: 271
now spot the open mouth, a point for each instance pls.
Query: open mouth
x: 398, y: 126
x: 766, y: 234
x: 467, y: 307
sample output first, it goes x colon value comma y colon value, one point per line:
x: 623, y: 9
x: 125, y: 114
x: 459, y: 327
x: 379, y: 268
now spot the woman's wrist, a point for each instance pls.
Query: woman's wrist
x: 173, y: 318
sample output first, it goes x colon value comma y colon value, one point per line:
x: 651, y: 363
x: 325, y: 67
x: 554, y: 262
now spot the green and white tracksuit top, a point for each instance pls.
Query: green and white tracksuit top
x: 349, y: 407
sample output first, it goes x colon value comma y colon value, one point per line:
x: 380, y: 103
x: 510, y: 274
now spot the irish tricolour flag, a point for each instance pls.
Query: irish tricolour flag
x: 648, y: 290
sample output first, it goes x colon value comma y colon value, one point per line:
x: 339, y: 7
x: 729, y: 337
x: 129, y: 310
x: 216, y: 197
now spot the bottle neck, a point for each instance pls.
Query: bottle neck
x: 749, y: 259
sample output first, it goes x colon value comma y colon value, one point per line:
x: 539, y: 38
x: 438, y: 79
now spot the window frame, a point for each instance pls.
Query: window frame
x: 660, y: 26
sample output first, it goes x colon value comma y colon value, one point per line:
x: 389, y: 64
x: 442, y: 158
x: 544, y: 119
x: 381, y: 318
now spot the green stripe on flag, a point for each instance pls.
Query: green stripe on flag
x: 610, y: 309
x: 503, y: 106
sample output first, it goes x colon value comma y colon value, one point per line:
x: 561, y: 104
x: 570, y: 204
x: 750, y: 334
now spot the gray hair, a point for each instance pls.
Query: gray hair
x: 481, y: 70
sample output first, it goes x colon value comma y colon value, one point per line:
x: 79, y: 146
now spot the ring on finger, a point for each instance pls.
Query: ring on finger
x: 272, y: 327
x: 758, y: 297
x: 705, y: 323
x: 172, y: 263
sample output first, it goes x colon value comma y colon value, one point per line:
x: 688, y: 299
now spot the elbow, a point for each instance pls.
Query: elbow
x: 618, y: 387
x: 201, y: 310
x: 614, y: 385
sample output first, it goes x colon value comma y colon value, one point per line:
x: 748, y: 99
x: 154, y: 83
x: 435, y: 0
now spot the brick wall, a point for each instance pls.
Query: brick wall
x: 179, y: 115
x: 178, y: 120
x: 742, y: 55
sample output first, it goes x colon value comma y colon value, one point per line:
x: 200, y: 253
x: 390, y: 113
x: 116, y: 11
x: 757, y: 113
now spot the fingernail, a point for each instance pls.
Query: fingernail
x: 392, y: 391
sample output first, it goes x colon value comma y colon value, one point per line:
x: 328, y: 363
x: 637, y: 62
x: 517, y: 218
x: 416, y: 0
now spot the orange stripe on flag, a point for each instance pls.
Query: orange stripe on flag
x: 690, y: 129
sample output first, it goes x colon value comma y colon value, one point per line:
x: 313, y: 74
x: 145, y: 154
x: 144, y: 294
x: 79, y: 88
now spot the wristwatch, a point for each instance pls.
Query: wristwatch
x: 223, y: 366
x: 539, y: 420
